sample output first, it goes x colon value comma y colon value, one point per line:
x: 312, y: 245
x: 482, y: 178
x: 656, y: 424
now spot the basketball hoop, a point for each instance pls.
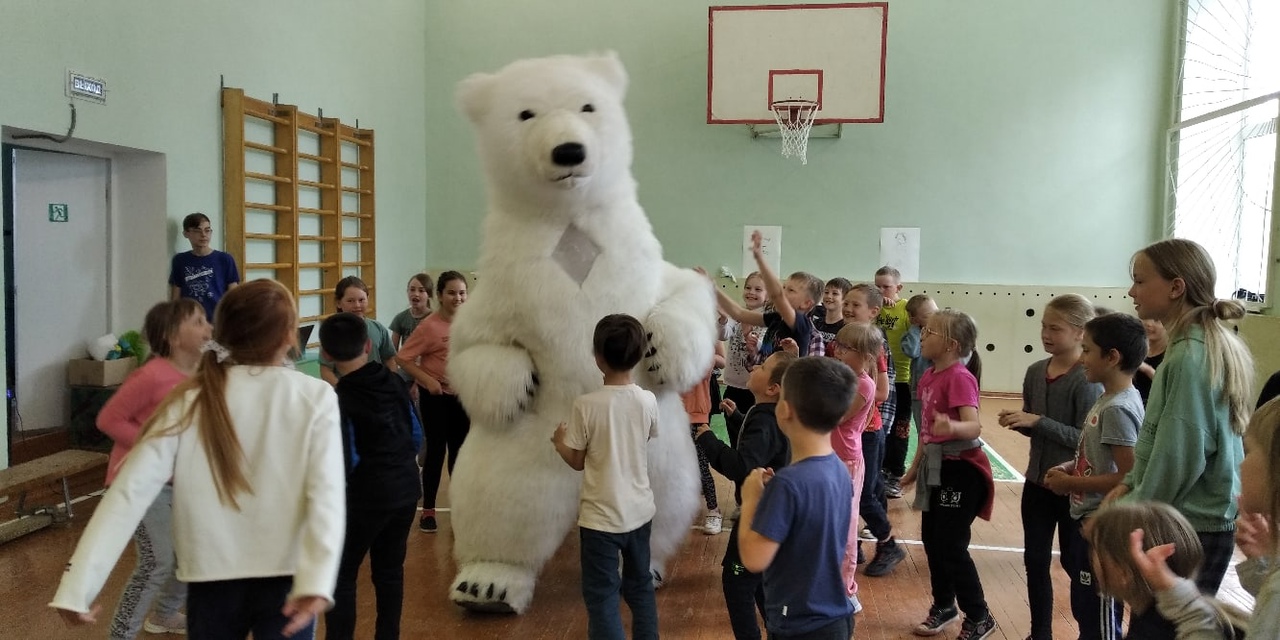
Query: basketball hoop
x: 795, y: 119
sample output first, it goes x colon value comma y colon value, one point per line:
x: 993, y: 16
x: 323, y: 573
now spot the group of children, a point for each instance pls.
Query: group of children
x: 1142, y: 498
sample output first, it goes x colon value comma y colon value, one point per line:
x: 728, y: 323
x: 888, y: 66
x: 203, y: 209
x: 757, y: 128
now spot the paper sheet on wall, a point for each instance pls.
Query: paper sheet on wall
x: 900, y: 249
x: 771, y: 245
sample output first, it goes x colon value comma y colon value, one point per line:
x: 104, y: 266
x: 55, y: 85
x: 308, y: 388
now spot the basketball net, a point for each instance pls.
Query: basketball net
x: 795, y: 119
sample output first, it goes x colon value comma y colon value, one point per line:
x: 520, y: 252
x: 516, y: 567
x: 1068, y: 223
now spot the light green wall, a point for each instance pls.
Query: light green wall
x: 162, y: 62
x: 1024, y: 138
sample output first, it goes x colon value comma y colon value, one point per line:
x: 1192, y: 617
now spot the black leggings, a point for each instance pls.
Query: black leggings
x: 946, y: 529
x: 704, y: 471
x: 444, y: 425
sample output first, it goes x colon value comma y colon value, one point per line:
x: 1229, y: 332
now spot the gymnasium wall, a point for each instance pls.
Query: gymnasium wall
x: 162, y: 62
x: 1023, y: 138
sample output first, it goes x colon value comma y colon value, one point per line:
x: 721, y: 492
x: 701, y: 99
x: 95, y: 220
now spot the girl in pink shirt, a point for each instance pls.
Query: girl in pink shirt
x: 857, y: 345
x: 175, y: 332
x: 425, y: 356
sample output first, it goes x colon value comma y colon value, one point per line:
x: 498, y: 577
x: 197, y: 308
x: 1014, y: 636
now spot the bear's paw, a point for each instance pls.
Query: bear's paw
x: 496, y: 383
x: 493, y: 587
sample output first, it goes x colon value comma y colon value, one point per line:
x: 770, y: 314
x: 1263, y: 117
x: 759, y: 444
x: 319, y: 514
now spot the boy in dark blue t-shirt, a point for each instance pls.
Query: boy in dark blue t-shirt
x: 203, y: 274
x: 795, y: 522
x: 792, y: 300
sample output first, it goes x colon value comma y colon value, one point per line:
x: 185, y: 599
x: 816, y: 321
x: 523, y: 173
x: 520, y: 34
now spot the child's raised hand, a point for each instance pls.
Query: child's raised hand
x: 790, y: 346
x: 1056, y: 480
x: 75, y: 619
x: 301, y: 612
x: 702, y: 272
x: 1013, y: 419
x: 1120, y: 491
x: 942, y: 425
x: 757, y: 242
x: 753, y: 486
x: 728, y: 406
x: 1151, y: 564
x: 1253, y: 534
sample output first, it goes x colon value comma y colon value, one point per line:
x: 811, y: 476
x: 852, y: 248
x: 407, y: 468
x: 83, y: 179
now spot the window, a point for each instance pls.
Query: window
x: 1222, y: 150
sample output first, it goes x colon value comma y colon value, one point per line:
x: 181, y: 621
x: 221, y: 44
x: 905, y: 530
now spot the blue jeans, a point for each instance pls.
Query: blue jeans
x: 601, y: 583
x: 871, y: 503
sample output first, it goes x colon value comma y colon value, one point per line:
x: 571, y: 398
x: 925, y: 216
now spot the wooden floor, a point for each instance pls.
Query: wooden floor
x: 690, y: 606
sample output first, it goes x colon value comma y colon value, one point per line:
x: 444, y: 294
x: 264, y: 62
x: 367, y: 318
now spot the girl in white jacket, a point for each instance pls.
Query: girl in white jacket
x: 255, y: 455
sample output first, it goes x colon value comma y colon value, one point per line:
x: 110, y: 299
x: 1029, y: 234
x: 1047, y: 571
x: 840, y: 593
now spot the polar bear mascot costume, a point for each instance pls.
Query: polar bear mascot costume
x: 565, y: 243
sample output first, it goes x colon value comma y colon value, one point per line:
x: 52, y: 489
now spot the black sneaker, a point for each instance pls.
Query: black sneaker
x: 971, y: 630
x: 427, y: 524
x: 888, y: 554
x: 937, y: 620
x: 893, y: 487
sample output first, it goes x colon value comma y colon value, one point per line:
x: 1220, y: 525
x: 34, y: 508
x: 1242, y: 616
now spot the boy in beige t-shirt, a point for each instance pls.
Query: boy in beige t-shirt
x: 607, y: 439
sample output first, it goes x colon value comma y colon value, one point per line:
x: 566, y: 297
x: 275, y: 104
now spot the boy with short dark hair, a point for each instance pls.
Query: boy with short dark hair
x: 792, y: 302
x: 828, y: 317
x: 760, y: 444
x: 795, y: 521
x: 203, y: 274
x: 1115, y: 345
x: 607, y: 438
x: 380, y: 439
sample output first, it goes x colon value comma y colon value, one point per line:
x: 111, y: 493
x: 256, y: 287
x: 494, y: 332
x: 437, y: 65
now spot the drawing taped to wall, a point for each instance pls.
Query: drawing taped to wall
x: 900, y: 249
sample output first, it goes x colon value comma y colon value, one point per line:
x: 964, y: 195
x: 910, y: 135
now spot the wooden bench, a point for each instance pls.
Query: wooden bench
x: 38, y: 474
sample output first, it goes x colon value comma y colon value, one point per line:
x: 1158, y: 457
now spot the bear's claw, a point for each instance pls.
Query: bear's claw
x: 492, y: 587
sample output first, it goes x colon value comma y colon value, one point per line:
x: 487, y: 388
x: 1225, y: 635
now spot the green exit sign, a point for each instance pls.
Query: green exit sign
x: 58, y: 212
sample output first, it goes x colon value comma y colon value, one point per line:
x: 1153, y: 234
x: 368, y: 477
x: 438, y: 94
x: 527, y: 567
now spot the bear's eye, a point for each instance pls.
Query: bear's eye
x: 588, y: 108
x: 526, y: 115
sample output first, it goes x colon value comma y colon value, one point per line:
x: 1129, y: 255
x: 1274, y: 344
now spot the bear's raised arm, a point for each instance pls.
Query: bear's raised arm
x: 682, y: 329
x: 493, y: 375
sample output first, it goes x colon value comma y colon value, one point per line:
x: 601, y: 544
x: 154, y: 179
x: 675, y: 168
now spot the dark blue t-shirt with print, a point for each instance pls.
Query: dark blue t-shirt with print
x: 204, y: 279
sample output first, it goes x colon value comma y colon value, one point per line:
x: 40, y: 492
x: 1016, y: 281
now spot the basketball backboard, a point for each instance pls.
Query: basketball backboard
x: 832, y: 54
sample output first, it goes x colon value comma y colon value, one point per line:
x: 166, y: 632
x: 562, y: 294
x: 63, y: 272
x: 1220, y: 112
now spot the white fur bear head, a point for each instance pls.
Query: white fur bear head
x: 552, y: 130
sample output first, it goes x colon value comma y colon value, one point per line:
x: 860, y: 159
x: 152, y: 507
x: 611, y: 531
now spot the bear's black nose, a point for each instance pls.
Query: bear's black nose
x: 569, y: 154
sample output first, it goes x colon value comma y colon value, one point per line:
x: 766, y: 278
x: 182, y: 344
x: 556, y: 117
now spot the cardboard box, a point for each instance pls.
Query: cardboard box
x: 87, y: 372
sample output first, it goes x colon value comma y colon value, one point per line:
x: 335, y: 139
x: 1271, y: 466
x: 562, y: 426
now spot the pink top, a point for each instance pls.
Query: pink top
x: 132, y: 404
x: 847, y: 437
x: 428, y: 345
x: 945, y: 392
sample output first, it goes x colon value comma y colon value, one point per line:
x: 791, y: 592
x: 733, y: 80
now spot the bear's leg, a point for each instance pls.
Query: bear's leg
x: 673, y: 475
x: 513, y: 501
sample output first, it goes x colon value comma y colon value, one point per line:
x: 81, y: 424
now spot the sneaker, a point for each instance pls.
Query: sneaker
x: 176, y: 623
x: 937, y: 620
x: 713, y: 523
x: 893, y: 487
x: 857, y: 605
x: 865, y: 534
x: 427, y: 524
x: 971, y: 630
x: 888, y: 554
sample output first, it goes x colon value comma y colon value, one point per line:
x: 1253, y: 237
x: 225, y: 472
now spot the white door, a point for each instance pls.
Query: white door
x: 60, y: 275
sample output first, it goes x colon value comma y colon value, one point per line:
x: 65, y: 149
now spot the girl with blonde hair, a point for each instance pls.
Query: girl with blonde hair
x: 1189, y: 449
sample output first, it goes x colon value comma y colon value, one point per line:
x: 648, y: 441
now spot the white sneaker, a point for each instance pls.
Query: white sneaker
x: 176, y: 623
x: 865, y: 534
x: 713, y: 523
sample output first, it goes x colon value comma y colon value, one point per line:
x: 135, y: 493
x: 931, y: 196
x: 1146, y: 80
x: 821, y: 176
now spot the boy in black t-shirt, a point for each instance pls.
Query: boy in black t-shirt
x: 828, y: 317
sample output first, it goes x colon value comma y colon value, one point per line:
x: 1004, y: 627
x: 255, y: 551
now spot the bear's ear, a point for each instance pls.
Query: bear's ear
x: 473, y: 95
x: 608, y: 66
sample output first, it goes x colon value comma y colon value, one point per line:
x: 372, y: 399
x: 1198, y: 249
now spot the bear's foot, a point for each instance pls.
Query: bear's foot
x: 493, y: 587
